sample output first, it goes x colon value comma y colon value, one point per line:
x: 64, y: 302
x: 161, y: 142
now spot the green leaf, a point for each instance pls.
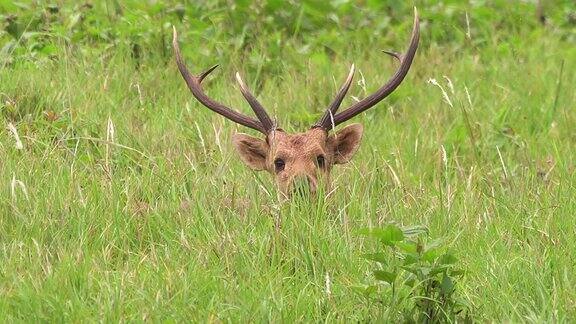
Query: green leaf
x: 273, y: 5
x: 413, y: 270
x: 408, y: 247
x: 410, y: 282
x: 431, y: 255
x: 389, y: 235
x: 366, y: 290
x: 415, y: 230
x: 378, y: 257
x: 49, y: 49
x: 447, y: 286
x: 448, y: 258
x: 370, y: 290
x: 438, y: 269
x: 386, y: 276
x: 410, y: 259
x: 433, y: 244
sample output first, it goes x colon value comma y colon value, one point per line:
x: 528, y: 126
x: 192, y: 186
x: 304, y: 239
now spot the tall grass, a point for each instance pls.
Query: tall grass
x: 125, y: 201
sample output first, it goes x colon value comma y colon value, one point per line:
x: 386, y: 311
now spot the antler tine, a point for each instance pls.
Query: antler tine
x: 390, y: 86
x: 206, y: 73
x: 256, y: 106
x: 194, y: 84
x: 397, y: 56
x: 326, y: 120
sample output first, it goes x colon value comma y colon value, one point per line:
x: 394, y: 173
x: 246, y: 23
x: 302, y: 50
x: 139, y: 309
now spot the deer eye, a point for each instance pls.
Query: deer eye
x: 321, y: 161
x: 279, y: 165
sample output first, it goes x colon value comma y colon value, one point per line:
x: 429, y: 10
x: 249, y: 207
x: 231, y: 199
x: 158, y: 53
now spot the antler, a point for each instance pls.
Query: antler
x: 329, y: 120
x: 331, y: 111
x: 264, y: 123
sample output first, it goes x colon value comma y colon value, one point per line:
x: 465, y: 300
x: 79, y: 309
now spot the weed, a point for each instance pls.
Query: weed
x: 415, y: 277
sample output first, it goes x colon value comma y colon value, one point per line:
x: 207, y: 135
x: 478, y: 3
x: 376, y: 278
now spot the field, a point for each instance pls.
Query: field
x: 122, y: 198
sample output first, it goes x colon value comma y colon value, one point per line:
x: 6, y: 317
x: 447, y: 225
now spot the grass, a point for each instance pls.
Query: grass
x: 127, y: 201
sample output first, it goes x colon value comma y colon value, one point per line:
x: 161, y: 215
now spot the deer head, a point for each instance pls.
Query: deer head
x: 300, y: 162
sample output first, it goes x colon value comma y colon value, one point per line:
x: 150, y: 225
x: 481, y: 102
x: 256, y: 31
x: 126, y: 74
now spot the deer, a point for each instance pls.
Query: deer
x: 299, y: 162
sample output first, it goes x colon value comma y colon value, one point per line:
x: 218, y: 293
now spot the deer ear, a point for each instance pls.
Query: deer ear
x: 253, y: 151
x: 345, y: 143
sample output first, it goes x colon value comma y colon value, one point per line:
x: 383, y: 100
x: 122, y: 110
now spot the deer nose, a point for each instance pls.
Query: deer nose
x: 303, y: 185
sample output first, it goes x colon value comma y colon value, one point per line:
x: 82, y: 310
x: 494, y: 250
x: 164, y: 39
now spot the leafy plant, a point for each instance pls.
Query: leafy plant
x: 268, y: 33
x: 417, y: 277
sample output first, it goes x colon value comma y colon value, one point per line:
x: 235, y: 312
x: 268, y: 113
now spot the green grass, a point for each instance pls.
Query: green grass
x: 159, y: 220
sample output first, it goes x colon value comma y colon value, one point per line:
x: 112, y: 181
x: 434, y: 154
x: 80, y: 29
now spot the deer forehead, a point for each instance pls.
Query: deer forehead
x: 300, y: 144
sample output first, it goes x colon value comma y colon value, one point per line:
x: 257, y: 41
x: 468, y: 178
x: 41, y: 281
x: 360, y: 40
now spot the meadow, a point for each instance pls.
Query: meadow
x: 122, y: 198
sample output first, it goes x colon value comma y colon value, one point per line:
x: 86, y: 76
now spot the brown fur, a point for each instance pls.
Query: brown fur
x: 300, y: 153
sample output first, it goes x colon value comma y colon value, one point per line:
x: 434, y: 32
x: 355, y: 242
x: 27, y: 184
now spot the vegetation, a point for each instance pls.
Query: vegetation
x: 415, y: 278
x: 121, y: 197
